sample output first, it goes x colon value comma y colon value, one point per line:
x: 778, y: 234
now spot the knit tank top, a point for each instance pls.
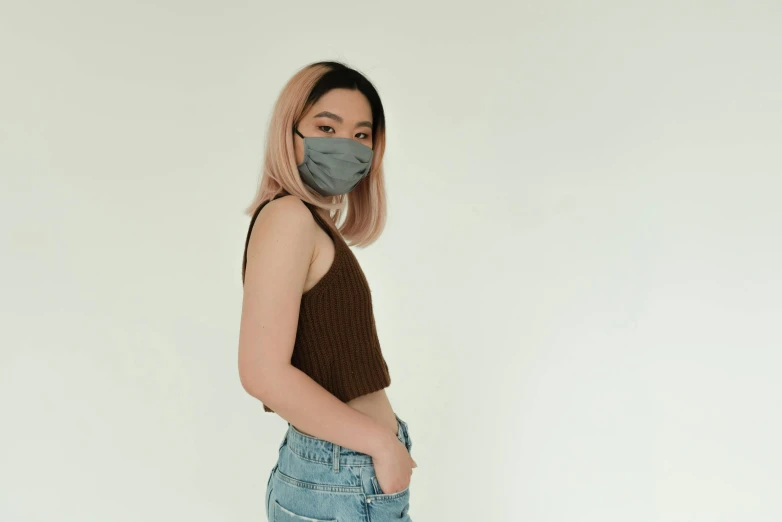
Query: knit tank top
x: 336, y: 339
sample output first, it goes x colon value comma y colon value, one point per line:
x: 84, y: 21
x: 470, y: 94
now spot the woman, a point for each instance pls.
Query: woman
x: 308, y: 348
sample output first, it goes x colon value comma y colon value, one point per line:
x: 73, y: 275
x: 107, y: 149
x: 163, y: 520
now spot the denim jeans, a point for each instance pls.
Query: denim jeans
x: 315, y: 480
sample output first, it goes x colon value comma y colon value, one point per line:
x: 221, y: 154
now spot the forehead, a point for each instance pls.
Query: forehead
x: 348, y: 103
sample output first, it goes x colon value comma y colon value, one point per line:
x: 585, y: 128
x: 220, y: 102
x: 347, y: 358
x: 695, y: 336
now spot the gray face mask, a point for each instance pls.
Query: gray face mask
x: 334, y: 166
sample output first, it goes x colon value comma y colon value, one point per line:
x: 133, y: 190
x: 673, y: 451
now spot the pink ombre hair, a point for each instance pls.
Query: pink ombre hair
x: 364, y: 208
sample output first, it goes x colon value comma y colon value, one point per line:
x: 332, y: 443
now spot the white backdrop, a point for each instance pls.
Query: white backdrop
x: 578, y: 291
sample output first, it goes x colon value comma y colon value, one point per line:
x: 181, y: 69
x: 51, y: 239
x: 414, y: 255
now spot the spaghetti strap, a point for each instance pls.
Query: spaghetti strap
x: 330, y: 229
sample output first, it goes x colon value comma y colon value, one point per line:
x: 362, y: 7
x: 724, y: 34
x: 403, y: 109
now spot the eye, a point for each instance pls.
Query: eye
x: 364, y: 134
x: 321, y: 127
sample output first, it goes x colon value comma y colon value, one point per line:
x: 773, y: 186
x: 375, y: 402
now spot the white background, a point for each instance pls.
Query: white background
x: 577, y: 293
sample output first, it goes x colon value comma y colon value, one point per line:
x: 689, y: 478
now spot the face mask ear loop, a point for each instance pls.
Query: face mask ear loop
x: 296, y: 130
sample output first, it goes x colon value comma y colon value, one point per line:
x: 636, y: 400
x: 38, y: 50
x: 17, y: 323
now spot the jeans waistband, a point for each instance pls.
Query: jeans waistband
x: 321, y: 450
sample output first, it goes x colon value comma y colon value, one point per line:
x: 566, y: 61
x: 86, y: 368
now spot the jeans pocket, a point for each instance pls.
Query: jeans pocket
x: 282, y: 514
x: 380, y: 495
x: 389, y: 506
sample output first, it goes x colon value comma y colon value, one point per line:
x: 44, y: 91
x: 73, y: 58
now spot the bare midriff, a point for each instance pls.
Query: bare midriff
x: 375, y: 405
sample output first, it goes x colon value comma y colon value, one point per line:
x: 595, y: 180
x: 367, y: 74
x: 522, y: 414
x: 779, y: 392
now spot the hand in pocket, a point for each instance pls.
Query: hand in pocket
x: 393, y: 467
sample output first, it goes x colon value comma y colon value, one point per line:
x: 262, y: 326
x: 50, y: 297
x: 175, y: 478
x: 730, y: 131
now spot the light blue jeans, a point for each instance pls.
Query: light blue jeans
x: 315, y: 480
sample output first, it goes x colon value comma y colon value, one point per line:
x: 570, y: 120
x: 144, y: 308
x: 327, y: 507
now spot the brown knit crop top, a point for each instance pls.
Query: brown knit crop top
x: 336, y: 339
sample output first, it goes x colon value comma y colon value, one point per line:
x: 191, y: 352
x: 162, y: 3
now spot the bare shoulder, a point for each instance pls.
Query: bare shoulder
x: 282, y: 232
x: 285, y: 215
x: 287, y: 209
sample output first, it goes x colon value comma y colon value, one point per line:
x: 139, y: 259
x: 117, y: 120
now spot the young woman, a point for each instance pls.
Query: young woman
x: 308, y: 348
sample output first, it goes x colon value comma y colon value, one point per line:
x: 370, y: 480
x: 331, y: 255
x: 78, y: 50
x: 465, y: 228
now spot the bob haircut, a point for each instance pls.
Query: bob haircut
x: 363, y: 208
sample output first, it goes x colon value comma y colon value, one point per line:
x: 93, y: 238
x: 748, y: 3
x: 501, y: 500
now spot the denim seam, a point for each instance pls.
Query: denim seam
x: 319, y: 487
x: 325, y: 462
x: 291, y: 513
x: 389, y: 496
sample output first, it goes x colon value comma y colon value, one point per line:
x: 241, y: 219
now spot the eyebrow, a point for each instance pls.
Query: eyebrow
x: 327, y: 114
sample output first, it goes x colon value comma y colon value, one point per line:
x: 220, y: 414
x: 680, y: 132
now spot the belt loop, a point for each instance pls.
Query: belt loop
x: 401, y: 430
x: 406, y: 432
x: 335, y: 458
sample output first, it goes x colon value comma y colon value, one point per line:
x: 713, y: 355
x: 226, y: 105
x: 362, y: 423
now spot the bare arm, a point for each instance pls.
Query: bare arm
x: 278, y: 259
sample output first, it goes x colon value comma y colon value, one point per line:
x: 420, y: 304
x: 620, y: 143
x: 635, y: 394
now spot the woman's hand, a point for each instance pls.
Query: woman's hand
x: 393, y: 466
